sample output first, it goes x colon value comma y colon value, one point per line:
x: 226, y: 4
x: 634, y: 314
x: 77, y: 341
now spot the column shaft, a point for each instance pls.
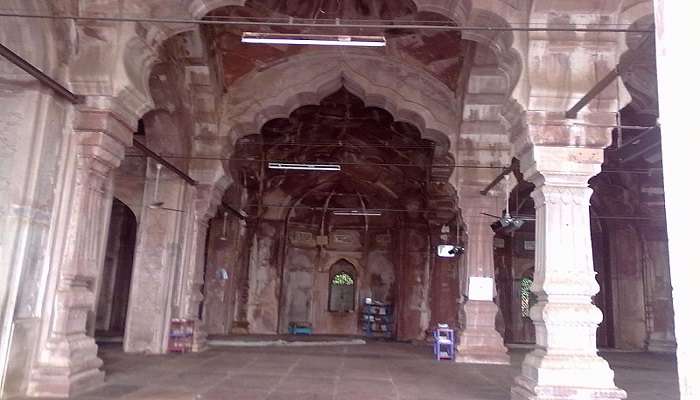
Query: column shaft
x: 67, y: 358
x: 565, y: 363
x: 208, y: 197
x: 158, y: 265
x: 479, y: 342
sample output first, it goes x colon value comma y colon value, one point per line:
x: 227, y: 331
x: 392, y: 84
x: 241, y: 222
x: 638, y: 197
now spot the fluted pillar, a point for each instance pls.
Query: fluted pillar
x: 67, y: 357
x: 479, y: 342
x: 565, y: 363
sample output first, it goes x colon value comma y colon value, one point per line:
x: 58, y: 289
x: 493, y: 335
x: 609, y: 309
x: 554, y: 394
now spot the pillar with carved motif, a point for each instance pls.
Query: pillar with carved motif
x: 67, y: 356
x: 565, y: 364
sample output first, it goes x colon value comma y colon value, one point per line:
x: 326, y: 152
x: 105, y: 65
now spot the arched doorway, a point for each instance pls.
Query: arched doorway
x: 370, y: 212
x: 113, y: 297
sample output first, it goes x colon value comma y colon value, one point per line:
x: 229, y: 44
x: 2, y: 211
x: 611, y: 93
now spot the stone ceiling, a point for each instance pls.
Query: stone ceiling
x: 438, y: 53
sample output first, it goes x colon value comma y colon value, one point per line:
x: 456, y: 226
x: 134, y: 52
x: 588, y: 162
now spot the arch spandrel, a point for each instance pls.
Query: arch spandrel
x: 147, y: 38
x: 404, y: 92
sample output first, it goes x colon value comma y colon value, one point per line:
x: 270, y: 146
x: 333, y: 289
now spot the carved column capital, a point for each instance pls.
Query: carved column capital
x: 107, y: 115
x: 558, y: 166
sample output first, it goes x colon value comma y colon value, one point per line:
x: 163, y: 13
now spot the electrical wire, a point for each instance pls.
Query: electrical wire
x: 337, y: 144
x: 466, y: 166
x: 325, y: 162
x: 341, y: 143
x: 400, y: 210
x: 337, y: 24
x: 360, y: 20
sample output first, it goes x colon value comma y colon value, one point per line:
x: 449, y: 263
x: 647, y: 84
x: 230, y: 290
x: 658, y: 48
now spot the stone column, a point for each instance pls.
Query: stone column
x: 565, y: 363
x: 67, y: 356
x: 208, y: 198
x: 264, y: 277
x: 158, y: 264
x: 483, y: 141
x: 677, y: 30
x: 479, y: 342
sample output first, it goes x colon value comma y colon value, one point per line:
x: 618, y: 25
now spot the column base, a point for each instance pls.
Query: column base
x: 82, y: 374
x: 529, y: 391
x: 479, y: 342
x: 475, y: 357
x: 565, y: 377
x: 199, y: 341
x: 49, y: 383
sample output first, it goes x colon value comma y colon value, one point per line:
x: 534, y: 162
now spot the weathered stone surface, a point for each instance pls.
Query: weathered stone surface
x: 564, y: 364
x: 419, y: 127
x: 67, y: 358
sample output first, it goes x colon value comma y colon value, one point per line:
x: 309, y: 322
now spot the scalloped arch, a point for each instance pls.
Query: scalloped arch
x: 407, y: 93
x: 144, y: 46
x: 455, y: 10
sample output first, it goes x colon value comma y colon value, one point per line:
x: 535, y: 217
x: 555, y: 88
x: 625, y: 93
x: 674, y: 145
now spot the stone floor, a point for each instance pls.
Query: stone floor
x: 374, y: 371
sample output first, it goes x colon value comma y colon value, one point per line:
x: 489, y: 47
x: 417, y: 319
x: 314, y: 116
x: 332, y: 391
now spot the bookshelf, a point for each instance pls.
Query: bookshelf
x: 377, y: 319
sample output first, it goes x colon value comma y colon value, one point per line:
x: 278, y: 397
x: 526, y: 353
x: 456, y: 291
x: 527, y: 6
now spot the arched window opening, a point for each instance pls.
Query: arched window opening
x: 526, y: 297
x: 343, y: 278
x: 342, y: 292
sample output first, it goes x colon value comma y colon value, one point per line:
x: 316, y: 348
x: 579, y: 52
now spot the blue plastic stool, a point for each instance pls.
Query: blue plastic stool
x: 444, y: 343
x: 299, y: 328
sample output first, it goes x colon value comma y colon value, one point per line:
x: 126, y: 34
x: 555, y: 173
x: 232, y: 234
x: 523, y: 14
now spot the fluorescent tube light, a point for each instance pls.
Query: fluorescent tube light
x: 304, y: 167
x: 368, y: 213
x: 320, y: 40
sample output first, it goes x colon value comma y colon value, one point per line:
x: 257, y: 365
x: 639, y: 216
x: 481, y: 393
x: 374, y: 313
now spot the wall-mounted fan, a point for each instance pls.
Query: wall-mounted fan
x: 157, y: 204
x: 449, y: 250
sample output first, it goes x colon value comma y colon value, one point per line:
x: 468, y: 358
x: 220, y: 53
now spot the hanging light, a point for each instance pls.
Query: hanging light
x: 224, y: 229
x: 304, y: 167
x: 156, y: 203
x: 319, y: 40
x: 368, y: 213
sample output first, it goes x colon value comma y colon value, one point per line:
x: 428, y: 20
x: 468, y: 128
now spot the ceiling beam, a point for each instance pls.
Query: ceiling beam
x: 621, y: 67
x: 44, y: 79
x: 152, y: 154
x: 337, y: 24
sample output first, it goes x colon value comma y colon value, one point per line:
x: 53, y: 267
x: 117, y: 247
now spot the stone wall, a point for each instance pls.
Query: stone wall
x: 382, y: 271
x: 34, y: 133
x: 32, y: 155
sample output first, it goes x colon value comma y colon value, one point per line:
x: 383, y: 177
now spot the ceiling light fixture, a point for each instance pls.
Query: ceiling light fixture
x: 304, y: 167
x: 319, y: 40
x: 367, y: 213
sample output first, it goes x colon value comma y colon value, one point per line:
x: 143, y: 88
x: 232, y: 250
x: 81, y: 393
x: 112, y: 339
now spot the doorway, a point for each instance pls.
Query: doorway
x: 113, y: 300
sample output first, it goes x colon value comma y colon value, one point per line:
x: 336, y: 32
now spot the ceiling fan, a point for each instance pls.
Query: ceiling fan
x: 507, y: 224
x: 156, y: 204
